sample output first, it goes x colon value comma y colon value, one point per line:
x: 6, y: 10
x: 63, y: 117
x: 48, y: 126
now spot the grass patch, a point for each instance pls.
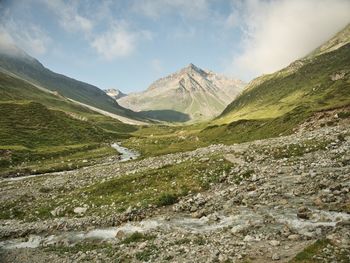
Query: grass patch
x: 166, y: 199
x: 159, y: 187
x: 137, y: 237
x: 295, y: 150
x: 147, y: 253
x: 306, y: 256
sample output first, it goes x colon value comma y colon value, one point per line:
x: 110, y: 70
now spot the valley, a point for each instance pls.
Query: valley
x: 264, y: 200
x: 198, y: 167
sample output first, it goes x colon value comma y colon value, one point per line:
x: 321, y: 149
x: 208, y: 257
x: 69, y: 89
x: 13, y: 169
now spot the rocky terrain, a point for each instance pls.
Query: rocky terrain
x: 285, y: 199
x: 115, y: 93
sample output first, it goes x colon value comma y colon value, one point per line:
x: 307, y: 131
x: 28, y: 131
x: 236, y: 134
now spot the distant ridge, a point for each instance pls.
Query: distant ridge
x: 192, y: 93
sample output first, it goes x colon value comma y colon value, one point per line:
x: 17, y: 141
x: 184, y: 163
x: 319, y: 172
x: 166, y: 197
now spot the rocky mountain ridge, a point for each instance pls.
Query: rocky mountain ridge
x: 200, y: 94
x: 114, y: 93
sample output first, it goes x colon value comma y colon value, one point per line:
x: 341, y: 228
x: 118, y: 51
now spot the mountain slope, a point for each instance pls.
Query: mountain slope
x: 15, y: 61
x: 316, y: 82
x: 189, y: 94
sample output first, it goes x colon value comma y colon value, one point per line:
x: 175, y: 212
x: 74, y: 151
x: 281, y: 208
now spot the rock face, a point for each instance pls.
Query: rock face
x: 192, y: 93
x: 115, y: 93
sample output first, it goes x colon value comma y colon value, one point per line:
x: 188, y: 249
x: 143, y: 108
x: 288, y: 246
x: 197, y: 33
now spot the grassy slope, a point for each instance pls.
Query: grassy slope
x: 38, y: 128
x: 30, y: 69
x: 310, y: 86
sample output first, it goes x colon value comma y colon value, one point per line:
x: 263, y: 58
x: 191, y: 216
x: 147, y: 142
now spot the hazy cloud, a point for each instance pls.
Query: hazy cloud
x: 279, y: 32
x: 69, y: 17
x: 157, y: 8
x: 118, y: 41
x: 29, y: 37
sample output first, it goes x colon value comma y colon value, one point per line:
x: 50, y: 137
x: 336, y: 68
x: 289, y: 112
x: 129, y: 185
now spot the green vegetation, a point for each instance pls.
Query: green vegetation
x: 159, y: 187
x: 310, y: 253
x: 310, y: 86
x: 146, y: 254
x: 294, y: 150
x: 35, y: 138
x: 137, y: 237
x: 166, y: 199
x: 31, y: 70
x: 156, y: 187
x: 307, y: 254
x: 42, y: 132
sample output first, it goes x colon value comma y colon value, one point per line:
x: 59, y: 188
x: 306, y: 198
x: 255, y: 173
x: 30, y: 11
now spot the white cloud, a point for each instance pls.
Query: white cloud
x: 279, y: 32
x: 30, y: 37
x: 118, y: 41
x: 156, y: 8
x: 69, y: 17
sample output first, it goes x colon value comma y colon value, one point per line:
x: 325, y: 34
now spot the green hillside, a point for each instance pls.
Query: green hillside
x: 32, y: 70
x: 40, y: 130
x: 313, y: 85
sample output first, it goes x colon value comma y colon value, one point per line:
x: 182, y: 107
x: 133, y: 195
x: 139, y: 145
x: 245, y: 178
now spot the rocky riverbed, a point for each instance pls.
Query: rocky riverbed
x: 278, y: 197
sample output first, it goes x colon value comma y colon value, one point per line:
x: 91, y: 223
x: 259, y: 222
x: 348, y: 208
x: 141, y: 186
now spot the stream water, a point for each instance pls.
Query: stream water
x: 125, y: 155
x: 183, y: 224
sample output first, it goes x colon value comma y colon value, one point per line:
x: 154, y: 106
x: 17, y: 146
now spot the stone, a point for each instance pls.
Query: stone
x: 80, y: 210
x: 274, y: 243
x: 57, y: 211
x: 120, y: 234
x: 275, y: 257
x: 293, y: 237
x: 198, y: 214
x: 304, y: 213
x: 248, y: 238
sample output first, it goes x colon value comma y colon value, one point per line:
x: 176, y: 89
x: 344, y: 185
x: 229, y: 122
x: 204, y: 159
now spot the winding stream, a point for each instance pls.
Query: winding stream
x: 125, y: 155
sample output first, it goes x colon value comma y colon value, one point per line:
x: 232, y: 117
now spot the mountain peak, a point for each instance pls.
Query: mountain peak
x: 114, y: 93
x: 191, y: 68
x: 192, y: 92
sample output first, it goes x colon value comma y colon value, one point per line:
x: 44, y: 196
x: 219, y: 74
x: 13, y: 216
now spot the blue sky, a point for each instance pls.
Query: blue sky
x: 127, y: 44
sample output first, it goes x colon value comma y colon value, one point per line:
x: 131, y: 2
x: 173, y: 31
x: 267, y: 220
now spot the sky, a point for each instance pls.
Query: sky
x: 128, y: 44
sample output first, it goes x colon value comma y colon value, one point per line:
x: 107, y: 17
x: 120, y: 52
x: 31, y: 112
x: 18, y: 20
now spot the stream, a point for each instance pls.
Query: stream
x: 125, y: 155
x: 183, y: 223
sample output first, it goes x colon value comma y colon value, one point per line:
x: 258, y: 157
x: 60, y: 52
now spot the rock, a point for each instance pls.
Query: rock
x: 214, y: 217
x: 57, y: 211
x: 120, y: 234
x: 293, y: 237
x: 275, y: 257
x: 223, y: 258
x: 238, y: 229
x: 274, y: 243
x: 248, y: 238
x: 129, y: 210
x: 198, y: 214
x: 304, y: 213
x: 80, y: 210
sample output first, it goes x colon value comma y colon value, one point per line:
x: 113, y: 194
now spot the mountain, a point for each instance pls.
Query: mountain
x: 114, y: 93
x: 191, y: 94
x: 318, y: 81
x: 275, y: 104
x: 15, y: 61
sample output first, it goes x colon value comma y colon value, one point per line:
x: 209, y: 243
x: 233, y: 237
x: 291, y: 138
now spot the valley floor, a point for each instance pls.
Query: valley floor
x: 284, y: 199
